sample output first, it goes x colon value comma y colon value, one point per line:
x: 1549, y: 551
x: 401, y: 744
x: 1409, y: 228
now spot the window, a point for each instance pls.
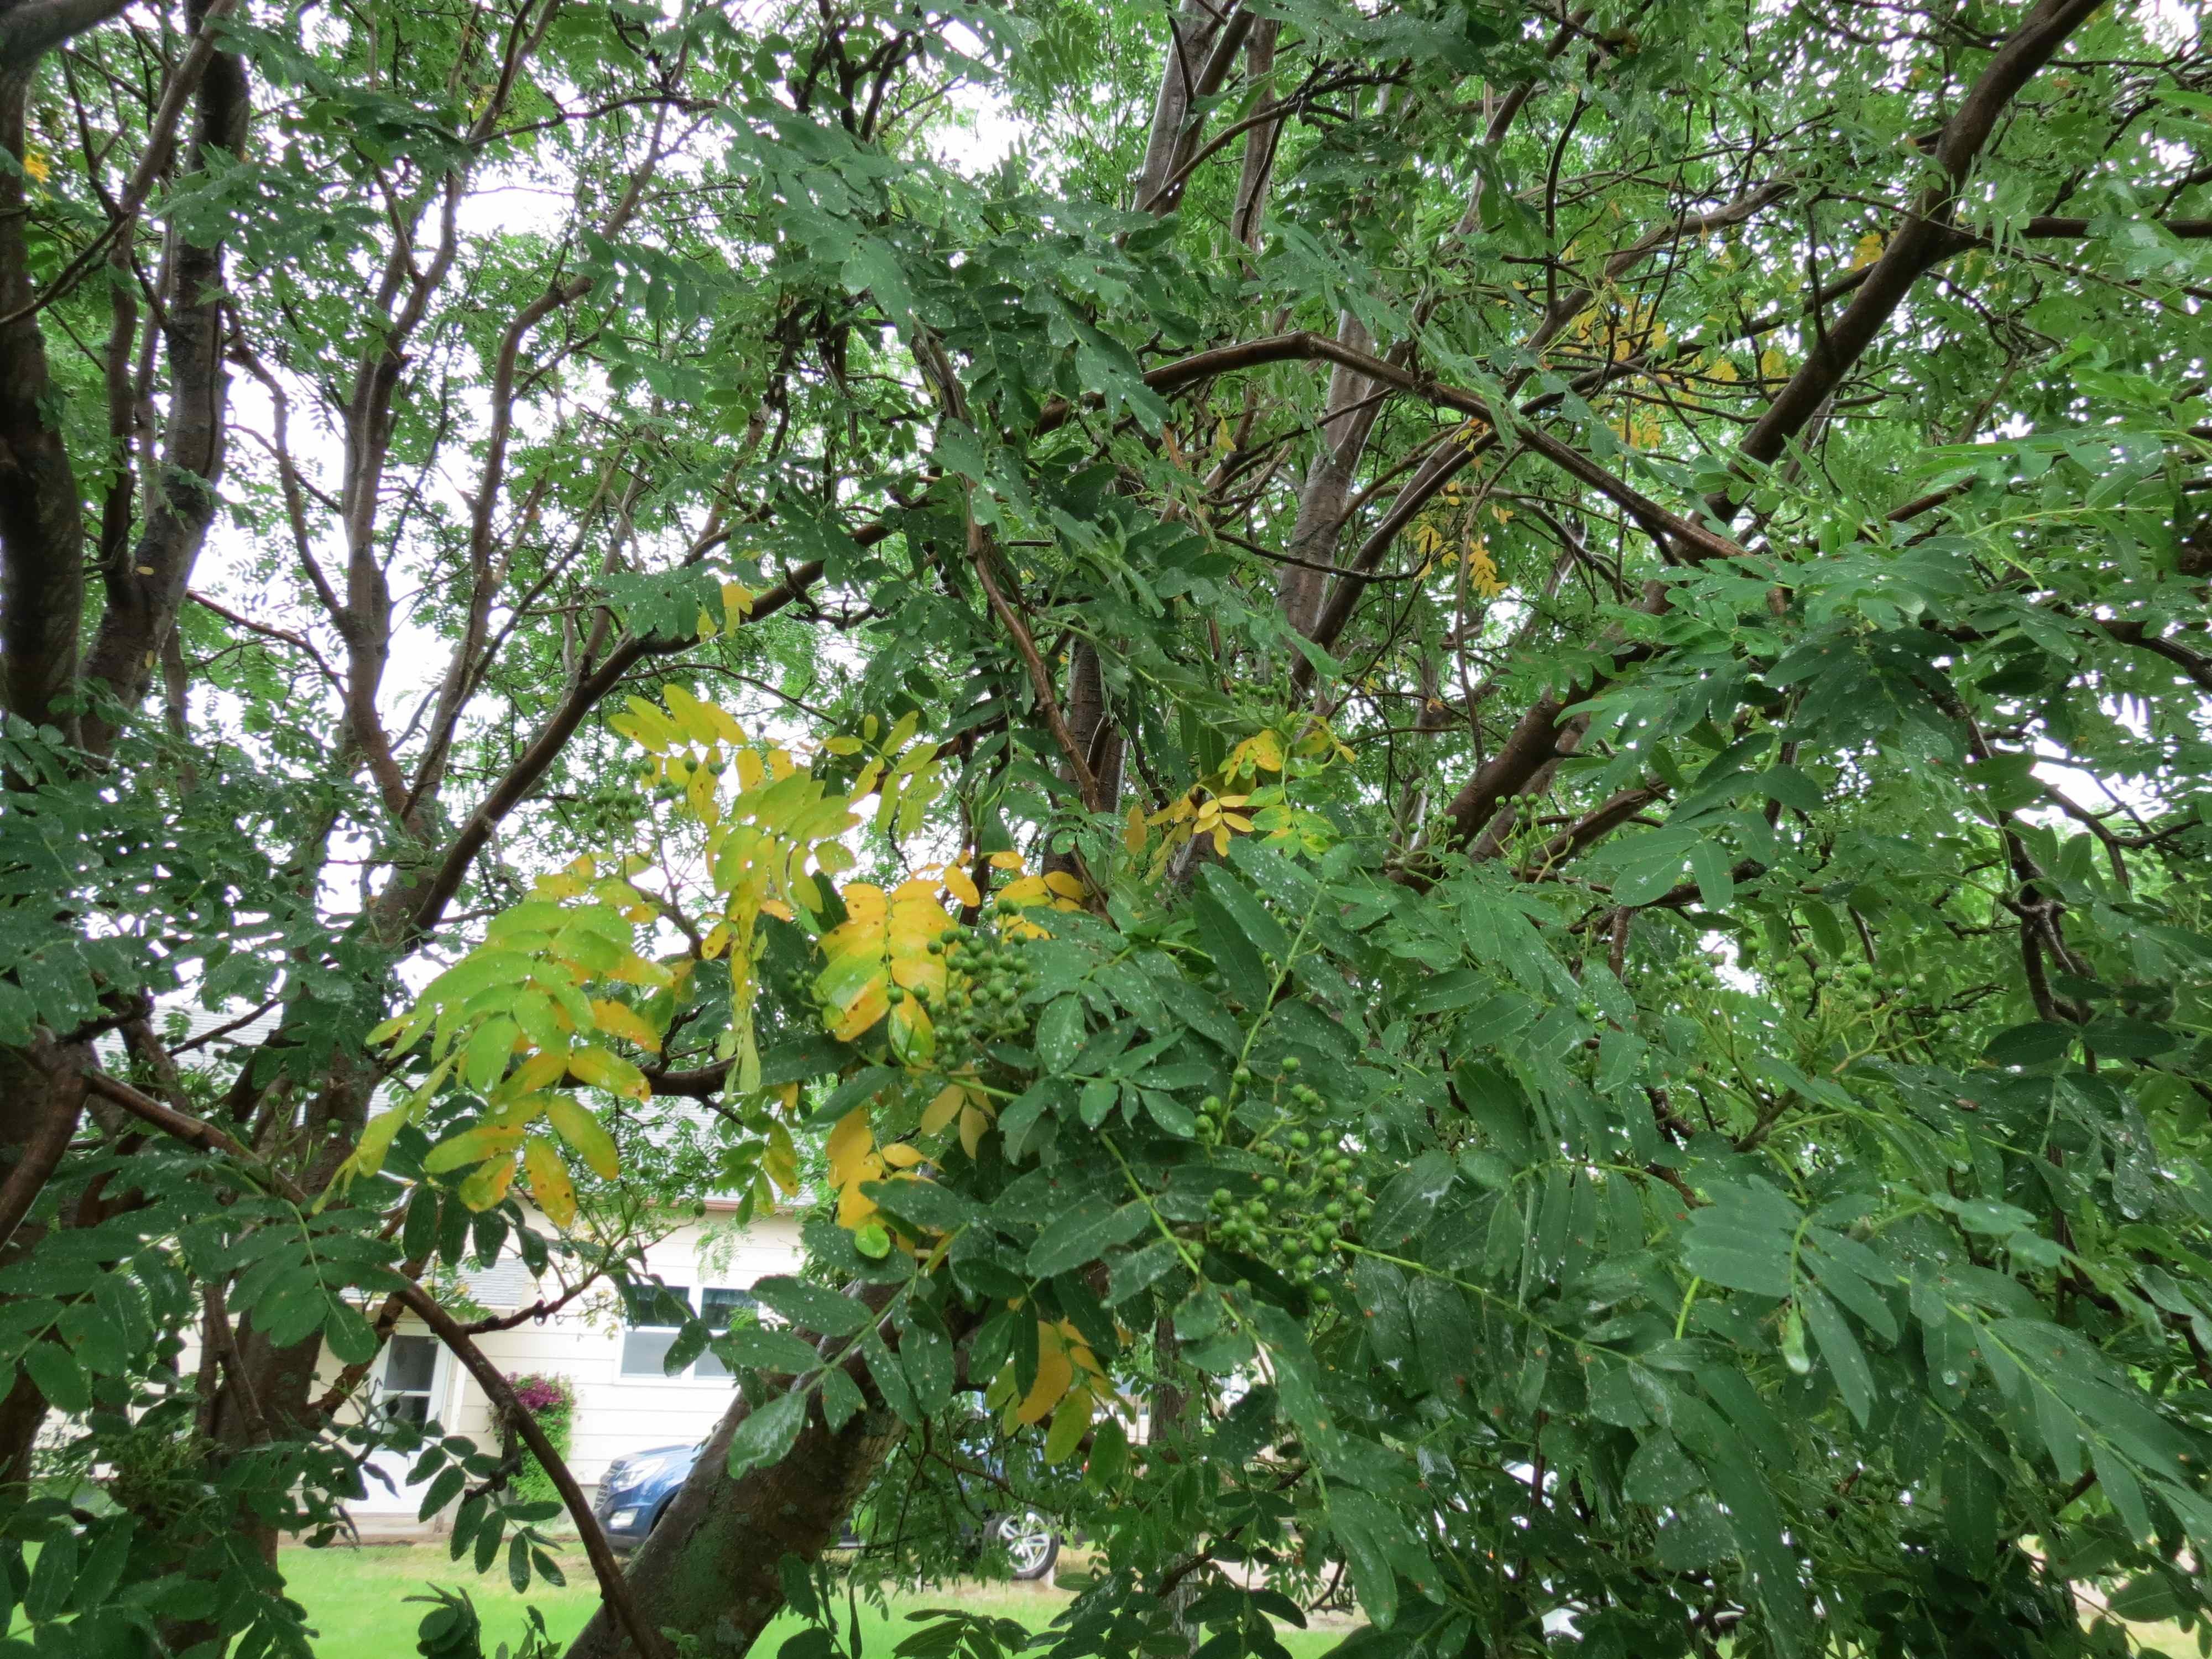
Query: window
x: 645, y: 1341
x: 716, y: 1305
x: 651, y: 1329
x: 410, y: 1365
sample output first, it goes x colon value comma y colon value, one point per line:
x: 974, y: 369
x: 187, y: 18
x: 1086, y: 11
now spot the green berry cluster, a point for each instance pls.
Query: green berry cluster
x: 1301, y: 1215
x: 987, y: 976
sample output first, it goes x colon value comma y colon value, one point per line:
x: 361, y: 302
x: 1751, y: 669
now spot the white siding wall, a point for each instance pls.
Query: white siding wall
x: 617, y: 1415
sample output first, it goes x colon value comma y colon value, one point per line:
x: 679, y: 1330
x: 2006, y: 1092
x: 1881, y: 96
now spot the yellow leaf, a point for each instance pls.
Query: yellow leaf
x: 962, y: 886
x: 488, y: 1185
x: 781, y: 1160
x: 608, y: 1071
x: 472, y: 1146
x: 36, y: 164
x: 871, y: 1005
x: 533, y: 1074
x: 1065, y: 886
x: 1055, y: 1373
x: 1772, y: 365
x: 634, y: 970
x: 1069, y: 1423
x: 849, y: 1143
x: 1005, y: 860
x: 620, y: 1019
x: 856, y: 1207
x: 690, y: 713
x: 943, y: 1110
x: 549, y: 1185
x: 376, y: 1140
x: 1133, y: 832
x: 1868, y: 250
x: 902, y: 1155
x: 1030, y: 890
x: 573, y: 1123
x: 973, y: 1123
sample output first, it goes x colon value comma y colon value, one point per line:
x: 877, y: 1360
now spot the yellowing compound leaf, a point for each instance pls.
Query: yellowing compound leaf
x: 1055, y: 1374
x: 472, y: 1146
x: 781, y: 1160
x: 1070, y: 1423
x: 550, y: 1186
x: 943, y: 1110
x: 489, y: 1184
x: 585, y: 1134
x: 610, y: 1072
x: 620, y: 1019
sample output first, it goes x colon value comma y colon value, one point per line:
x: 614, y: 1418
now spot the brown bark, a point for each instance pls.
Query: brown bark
x: 145, y: 588
x: 42, y: 1097
x: 41, y: 530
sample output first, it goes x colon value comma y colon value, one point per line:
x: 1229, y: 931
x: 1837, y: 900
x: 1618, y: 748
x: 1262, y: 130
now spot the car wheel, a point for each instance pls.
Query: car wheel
x: 1029, y: 1541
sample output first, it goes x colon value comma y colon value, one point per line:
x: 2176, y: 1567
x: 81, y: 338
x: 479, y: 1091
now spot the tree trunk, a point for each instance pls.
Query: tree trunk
x: 41, y: 1103
x: 709, y: 1570
x: 41, y: 530
x: 145, y: 588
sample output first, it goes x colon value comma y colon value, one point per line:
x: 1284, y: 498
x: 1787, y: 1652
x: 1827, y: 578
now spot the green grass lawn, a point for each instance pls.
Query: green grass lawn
x: 356, y: 1598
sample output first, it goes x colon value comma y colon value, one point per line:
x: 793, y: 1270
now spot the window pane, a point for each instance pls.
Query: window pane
x: 410, y: 1363
x: 643, y: 1350
x: 717, y: 1304
x: 408, y: 1408
x: 651, y: 1304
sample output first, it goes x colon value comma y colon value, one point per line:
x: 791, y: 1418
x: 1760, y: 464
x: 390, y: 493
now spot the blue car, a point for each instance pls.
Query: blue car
x: 636, y: 1490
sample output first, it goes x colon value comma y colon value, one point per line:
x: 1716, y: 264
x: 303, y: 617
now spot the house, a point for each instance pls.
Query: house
x: 625, y: 1402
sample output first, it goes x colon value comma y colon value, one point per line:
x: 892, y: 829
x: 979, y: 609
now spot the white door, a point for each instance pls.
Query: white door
x: 408, y: 1383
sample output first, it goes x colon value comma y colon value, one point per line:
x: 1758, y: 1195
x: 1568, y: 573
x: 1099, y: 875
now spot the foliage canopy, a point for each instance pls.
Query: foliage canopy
x: 1458, y: 750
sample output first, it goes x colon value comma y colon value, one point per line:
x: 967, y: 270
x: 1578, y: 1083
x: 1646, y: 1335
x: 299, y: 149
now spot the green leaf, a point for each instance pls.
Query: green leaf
x: 443, y: 1489
x: 1661, y: 1472
x: 1847, y: 1361
x: 841, y: 1400
x: 64, y: 1383
x: 761, y: 1347
x: 811, y: 1307
x: 1243, y: 973
x: 1444, y: 1334
x: 764, y: 1435
x: 1060, y: 1033
x: 53, y: 1576
x: 1711, y: 864
x: 1408, y: 1204
x: 1086, y: 1232
x: 2039, y: 1042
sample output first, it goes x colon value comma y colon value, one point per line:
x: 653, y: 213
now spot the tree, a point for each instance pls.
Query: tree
x: 1468, y: 744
